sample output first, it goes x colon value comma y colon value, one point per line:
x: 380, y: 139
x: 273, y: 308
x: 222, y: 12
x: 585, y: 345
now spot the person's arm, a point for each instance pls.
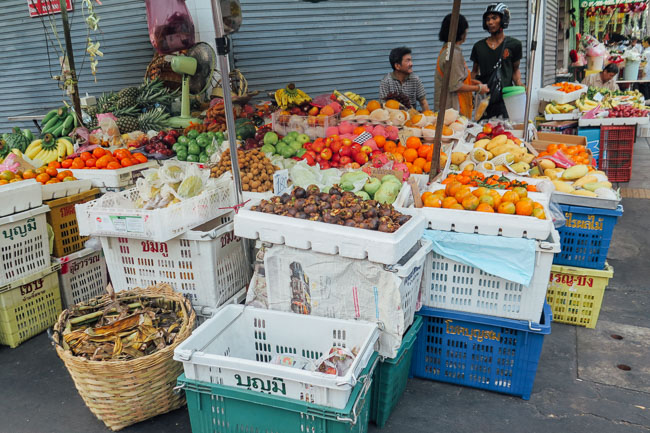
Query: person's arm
x: 516, y: 74
x: 459, y: 74
x: 421, y: 96
x: 425, y: 105
x: 475, y: 71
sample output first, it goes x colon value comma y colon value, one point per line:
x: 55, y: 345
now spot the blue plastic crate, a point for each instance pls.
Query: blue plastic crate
x: 586, y: 236
x: 593, y: 140
x: 483, y: 352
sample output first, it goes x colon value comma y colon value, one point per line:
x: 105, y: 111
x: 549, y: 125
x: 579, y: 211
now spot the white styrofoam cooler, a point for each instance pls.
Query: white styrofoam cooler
x: 65, y: 189
x: 106, y: 216
x: 455, y: 286
x: 235, y: 347
x: 354, y: 243
x: 550, y: 93
x: 607, y: 121
x: 20, y: 196
x: 206, y: 264
x: 24, y: 244
x: 82, y: 276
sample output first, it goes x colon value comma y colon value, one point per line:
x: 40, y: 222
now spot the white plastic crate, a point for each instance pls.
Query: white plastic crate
x: 455, y: 286
x: 204, y: 313
x: 114, y: 178
x: 24, y: 245
x: 550, y: 94
x: 20, y: 196
x: 65, y: 189
x: 105, y: 217
x: 316, y: 284
x: 206, y: 264
x: 82, y: 276
x: 493, y: 224
x: 608, y: 121
x: 354, y: 243
x: 235, y: 347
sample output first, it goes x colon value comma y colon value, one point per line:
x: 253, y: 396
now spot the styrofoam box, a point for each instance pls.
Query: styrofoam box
x: 380, y: 247
x: 24, y: 245
x: 550, y: 93
x: 494, y: 224
x: 608, y: 121
x: 82, y: 276
x: 105, y: 217
x: 114, y: 178
x: 206, y: 264
x: 20, y: 196
x: 65, y: 189
x: 455, y: 286
x: 574, y: 115
x: 237, y: 346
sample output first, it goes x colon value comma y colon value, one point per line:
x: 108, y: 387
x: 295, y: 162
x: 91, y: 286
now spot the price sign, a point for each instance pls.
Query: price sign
x: 280, y: 181
x: 39, y: 8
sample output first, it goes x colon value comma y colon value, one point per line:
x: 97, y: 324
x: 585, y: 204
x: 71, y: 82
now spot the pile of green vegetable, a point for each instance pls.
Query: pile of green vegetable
x: 197, y: 147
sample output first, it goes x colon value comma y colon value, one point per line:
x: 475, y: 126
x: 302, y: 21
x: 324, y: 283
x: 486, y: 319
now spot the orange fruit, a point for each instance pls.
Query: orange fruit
x: 29, y: 174
x: 400, y: 149
x: 78, y: 163
x: 42, y: 178
x: 484, y: 207
x: 539, y: 213
x: 85, y: 156
x: 433, y: 201
x: 391, y: 103
x: 363, y: 112
x: 399, y: 157
x: 359, y: 130
x: 90, y: 162
x: 419, y: 162
x: 127, y: 162
x: 462, y: 192
x: 327, y: 111
x: 51, y: 171
x: 511, y: 196
x: 113, y: 165
x: 66, y: 163
x: 452, y: 188
x: 427, y: 167
x: 380, y: 140
x: 347, y: 112
x: 537, y: 205
x: 373, y: 105
x: 416, y: 170
x: 410, y: 155
x: 448, y: 202
x: 428, y: 113
x: 440, y: 193
x: 52, y: 181
x: 523, y: 208
x: 63, y: 174
x: 389, y: 146
x: 457, y: 206
x: 521, y: 191
x: 413, y: 142
x: 447, y: 131
x: 425, y: 151
x: 54, y: 164
x: 506, y: 207
x: 486, y: 199
x: 425, y: 195
x: 416, y: 118
x: 480, y: 191
x: 140, y: 158
x: 470, y: 202
x: 99, y: 152
x: 103, y: 161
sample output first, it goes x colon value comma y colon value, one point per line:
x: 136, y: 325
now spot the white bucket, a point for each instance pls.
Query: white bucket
x: 516, y: 106
x: 631, y: 71
x: 595, y: 63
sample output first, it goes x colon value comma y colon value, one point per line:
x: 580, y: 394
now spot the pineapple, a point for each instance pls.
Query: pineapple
x: 127, y: 124
x: 127, y: 97
x: 155, y: 120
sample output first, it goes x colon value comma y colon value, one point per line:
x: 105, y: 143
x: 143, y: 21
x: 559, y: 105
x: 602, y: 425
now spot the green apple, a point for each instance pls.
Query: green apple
x: 302, y: 138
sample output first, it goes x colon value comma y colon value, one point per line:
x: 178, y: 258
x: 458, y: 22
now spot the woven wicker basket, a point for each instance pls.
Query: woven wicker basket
x: 121, y: 393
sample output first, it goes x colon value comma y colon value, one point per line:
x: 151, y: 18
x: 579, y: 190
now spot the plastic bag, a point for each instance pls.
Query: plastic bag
x: 170, y: 25
x: 193, y: 182
x: 337, y: 362
x: 556, y: 213
x: 171, y: 172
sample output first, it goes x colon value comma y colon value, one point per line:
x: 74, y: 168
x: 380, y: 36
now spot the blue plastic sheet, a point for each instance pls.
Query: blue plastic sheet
x: 510, y: 258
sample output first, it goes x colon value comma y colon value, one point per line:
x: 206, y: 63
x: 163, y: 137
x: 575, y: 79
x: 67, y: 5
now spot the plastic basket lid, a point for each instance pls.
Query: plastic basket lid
x: 513, y: 90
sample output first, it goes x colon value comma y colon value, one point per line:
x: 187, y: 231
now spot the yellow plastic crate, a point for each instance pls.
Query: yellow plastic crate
x: 576, y: 294
x: 29, y: 306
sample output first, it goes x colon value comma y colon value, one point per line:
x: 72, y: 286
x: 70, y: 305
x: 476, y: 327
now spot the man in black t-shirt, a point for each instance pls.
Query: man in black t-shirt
x: 485, y: 54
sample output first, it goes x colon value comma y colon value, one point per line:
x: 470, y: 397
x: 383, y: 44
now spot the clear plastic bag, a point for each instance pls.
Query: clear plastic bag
x: 170, y: 25
x: 556, y: 213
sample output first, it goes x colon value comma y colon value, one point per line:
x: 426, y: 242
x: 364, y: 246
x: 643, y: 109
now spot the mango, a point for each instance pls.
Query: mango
x: 584, y: 180
x: 575, y: 172
x: 593, y: 186
x: 585, y: 193
x: 563, y: 187
x: 496, y: 141
x: 520, y: 167
x: 545, y: 163
x: 501, y: 168
x: 458, y: 157
x: 528, y: 158
x: 467, y: 165
x: 553, y: 173
x: 481, y: 143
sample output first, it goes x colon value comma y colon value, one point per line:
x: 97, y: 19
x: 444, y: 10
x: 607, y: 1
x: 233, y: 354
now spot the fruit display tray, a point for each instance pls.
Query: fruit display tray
x: 354, y: 243
x: 20, y: 196
x: 579, y: 200
x: 550, y: 93
x: 493, y: 224
x: 114, y: 178
x: 616, y: 121
x: 64, y: 189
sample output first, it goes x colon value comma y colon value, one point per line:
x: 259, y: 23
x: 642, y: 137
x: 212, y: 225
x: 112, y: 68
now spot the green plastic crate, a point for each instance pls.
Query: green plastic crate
x: 224, y: 409
x: 391, y: 376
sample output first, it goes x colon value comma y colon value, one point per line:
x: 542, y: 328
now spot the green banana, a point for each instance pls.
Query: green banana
x: 68, y: 124
x: 49, y: 116
x: 50, y: 124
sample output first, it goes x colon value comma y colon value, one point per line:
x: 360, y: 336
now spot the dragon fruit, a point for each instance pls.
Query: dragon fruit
x: 392, y: 133
x: 346, y: 128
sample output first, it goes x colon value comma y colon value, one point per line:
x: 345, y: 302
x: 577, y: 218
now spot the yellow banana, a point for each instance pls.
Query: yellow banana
x: 33, y: 148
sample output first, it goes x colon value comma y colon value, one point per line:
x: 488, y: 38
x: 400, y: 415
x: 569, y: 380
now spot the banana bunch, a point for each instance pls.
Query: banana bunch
x: 554, y: 108
x: 585, y: 104
x: 357, y: 99
x: 290, y: 95
x: 58, y: 122
x: 50, y: 149
x: 640, y: 106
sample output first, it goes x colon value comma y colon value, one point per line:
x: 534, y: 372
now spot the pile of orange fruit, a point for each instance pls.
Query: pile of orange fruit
x: 103, y: 159
x: 577, y: 153
x: 567, y: 87
x: 416, y: 155
x: 476, y: 178
x: 44, y: 175
x: 455, y: 195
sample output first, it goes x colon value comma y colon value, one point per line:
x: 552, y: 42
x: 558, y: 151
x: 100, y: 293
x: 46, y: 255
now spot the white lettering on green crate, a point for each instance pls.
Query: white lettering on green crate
x: 269, y: 386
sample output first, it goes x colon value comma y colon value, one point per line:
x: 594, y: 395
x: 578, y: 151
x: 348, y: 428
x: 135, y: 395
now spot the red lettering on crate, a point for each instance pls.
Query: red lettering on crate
x: 155, y: 247
x: 34, y: 286
x: 67, y: 210
x: 228, y: 238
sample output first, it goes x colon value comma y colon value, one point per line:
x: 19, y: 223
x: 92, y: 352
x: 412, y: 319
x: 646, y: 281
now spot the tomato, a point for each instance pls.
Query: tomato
x: 103, y: 161
x: 99, y: 152
x: 113, y: 165
x: 121, y: 154
x: 66, y: 163
x: 78, y: 163
x: 140, y: 157
x: 90, y: 162
x: 85, y: 156
x: 54, y: 164
x: 51, y: 171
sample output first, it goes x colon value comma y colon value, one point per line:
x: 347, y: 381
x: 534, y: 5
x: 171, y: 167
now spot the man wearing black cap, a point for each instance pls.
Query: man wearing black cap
x: 486, y: 54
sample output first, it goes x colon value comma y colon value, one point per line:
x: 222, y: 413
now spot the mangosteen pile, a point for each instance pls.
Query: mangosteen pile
x: 339, y: 207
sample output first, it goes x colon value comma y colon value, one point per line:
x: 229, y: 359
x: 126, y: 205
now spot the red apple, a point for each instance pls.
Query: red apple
x: 317, y: 146
x: 356, y: 148
x: 346, y: 151
x: 336, y: 157
x: 345, y: 160
x: 347, y: 142
x: 310, y: 159
x: 361, y: 158
x: 324, y: 165
x: 311, y: 153
x: 366, y: 149
x: 326, y: 154
x: 336, y: 147
x: 307, y: 146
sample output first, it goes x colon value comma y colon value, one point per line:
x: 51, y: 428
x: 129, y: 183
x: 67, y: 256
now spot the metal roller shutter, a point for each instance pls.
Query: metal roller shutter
x: 551, y: 8
x: 26, y: 84
x: 345, y: 44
